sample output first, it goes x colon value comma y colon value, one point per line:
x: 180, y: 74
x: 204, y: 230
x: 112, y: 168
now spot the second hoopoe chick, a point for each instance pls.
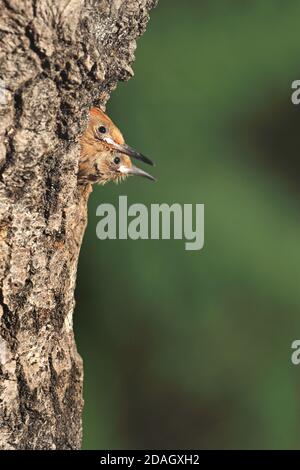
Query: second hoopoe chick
x: 104, y: 155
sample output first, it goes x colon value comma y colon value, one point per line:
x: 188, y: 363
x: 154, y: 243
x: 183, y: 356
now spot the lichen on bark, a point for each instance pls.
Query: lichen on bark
x: 57, y: 59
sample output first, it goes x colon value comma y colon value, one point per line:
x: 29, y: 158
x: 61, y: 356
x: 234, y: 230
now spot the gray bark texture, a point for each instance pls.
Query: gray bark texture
x: 57, y: 59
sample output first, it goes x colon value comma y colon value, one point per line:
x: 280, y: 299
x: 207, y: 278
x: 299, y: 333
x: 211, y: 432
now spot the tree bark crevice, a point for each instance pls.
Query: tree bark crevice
x: 57, y: 59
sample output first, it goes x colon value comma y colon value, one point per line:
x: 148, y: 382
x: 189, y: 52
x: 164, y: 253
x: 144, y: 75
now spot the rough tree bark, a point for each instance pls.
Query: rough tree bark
x: 57, y: 58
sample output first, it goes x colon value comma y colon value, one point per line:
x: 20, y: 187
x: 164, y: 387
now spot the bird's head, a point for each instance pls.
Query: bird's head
x: 106, y: 139
x: 114, y: 166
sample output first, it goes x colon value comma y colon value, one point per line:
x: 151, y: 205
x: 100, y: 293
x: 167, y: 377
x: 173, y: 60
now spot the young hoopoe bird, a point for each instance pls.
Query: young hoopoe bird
x: 104, y: 154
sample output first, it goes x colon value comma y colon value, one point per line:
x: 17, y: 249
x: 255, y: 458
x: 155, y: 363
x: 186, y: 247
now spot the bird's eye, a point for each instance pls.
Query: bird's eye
x: 117, y: 160
x: 102, y: 129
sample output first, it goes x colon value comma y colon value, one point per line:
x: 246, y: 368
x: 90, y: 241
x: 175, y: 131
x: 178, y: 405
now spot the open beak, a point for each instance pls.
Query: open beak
x: 134, y: 170
x: 124, y: 148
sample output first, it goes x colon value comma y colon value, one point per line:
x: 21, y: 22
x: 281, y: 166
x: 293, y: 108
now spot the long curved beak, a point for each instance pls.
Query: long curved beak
x: 124, y: 148
x: 134, y: 170
x: 138, y: 156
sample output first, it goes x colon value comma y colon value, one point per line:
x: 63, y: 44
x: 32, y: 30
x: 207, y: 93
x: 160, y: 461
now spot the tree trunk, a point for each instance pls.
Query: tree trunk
x: 57, y: 59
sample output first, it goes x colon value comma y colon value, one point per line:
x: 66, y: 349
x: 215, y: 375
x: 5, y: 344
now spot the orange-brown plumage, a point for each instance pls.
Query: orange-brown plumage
x: 104, y: 154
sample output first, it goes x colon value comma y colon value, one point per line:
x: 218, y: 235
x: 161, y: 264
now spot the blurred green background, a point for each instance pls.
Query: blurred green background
x: 192, y: 349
